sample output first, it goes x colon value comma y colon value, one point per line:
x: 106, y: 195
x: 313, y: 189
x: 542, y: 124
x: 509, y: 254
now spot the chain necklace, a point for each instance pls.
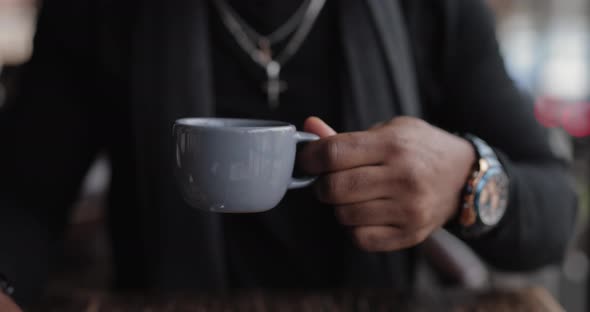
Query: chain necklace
x: 278, y: 35
x: 259, y: 47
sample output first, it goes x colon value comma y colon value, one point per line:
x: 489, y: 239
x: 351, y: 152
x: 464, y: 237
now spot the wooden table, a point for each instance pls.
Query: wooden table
x: 533, y: 299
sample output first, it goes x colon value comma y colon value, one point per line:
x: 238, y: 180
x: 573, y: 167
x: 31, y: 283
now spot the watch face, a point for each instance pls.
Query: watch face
x: 492, y: 197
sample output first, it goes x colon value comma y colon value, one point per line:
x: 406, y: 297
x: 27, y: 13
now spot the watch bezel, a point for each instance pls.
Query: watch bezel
x: 494, y: 171
x: 473, y: 220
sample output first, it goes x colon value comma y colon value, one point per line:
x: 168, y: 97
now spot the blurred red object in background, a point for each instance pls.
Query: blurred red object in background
x: 575, y: 119
x: 572, y: 117
x: 548, y: 112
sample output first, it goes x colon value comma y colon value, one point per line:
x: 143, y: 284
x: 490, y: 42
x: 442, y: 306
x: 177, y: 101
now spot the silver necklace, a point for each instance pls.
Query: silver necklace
x: 259, y: 47
x: 279, y: 34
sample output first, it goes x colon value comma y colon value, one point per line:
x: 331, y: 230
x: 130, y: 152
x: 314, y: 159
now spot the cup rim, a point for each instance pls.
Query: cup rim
x: 201, y: 123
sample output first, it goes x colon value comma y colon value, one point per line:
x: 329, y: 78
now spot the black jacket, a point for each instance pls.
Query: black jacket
x: 112, y: 76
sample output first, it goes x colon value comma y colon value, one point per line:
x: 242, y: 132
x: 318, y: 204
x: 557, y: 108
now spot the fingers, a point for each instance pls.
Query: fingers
x: 341, y: 152
x: 318, y: 127
x: 371, y: 213
x: 353, y: 185
x: 375, y: 180
x: 387, y: 238
x: 379, y: 226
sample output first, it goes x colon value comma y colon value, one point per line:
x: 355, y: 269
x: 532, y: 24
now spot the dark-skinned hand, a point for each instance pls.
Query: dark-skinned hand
x: 393, y: 184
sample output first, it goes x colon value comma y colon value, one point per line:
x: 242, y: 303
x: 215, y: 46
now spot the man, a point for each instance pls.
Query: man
x: 111, y: 76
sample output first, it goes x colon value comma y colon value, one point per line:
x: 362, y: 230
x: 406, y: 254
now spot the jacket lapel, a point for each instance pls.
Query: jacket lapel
x: 379, y: 62
x: 393, y: 37
x: 370, y: 98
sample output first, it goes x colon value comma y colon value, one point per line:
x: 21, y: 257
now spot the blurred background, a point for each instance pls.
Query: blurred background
x: 547, y: 52
x: 546, y: 48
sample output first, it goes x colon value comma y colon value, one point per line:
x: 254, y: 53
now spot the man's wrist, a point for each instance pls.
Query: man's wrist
x: 468, y: 163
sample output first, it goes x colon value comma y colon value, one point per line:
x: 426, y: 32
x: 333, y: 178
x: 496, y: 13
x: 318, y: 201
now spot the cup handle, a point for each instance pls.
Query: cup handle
x: 302, y: 137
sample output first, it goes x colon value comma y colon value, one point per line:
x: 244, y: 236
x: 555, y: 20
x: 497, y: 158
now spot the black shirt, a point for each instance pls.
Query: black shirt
x: 314, y: 88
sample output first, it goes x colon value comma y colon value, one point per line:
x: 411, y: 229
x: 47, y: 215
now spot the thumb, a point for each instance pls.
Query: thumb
x: 318, y: 127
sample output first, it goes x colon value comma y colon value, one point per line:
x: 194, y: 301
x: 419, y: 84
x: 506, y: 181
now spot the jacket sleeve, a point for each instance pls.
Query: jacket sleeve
x: 46, y: 145
x: 479, y: 98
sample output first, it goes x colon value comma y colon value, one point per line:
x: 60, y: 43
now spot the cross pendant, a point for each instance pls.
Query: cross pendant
x: 274, y: 85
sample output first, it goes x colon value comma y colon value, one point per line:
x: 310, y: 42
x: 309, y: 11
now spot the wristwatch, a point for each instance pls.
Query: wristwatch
x: 485, y: 196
